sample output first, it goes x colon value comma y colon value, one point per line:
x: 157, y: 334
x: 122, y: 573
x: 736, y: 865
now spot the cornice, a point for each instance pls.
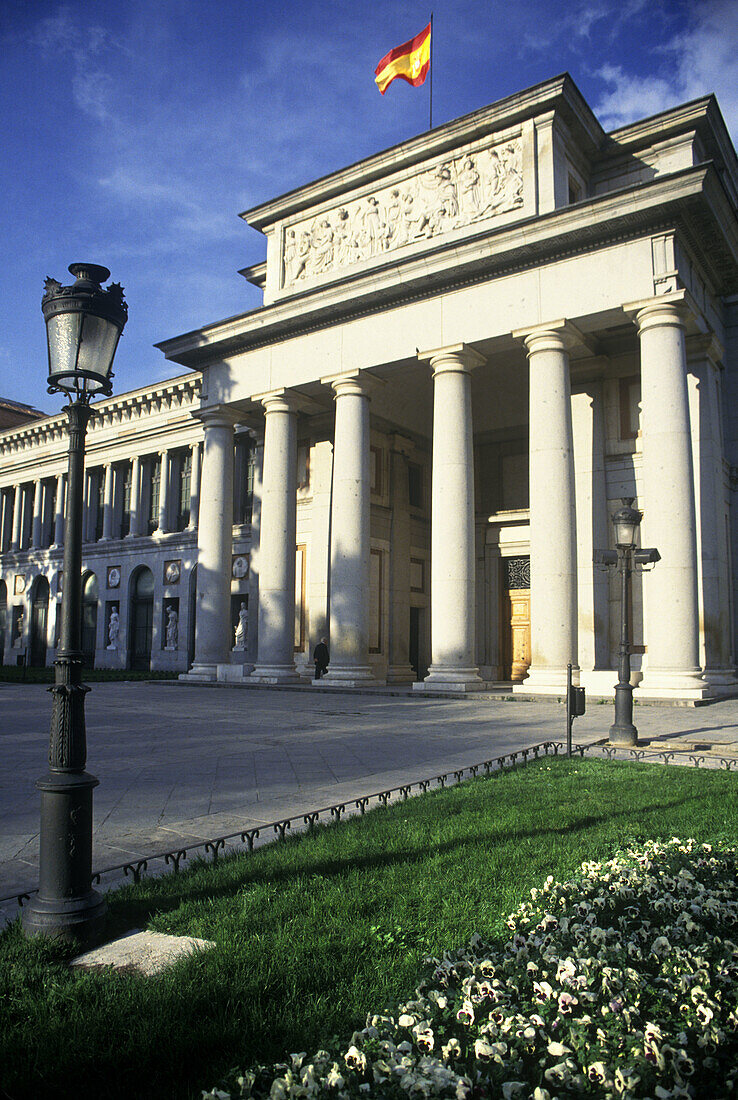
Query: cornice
x: 559, y: 92
x: 174, y: 394
x: 693, y: 194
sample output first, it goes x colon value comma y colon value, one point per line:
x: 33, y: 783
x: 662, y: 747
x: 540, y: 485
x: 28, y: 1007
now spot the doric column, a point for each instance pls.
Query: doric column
x: 553, y: 542
x: 17, y: 517
x: 107, y: 533
x: 350, y: 516
x: 453, y: 603
x: 61, y: 484
x: 194, y: 486
x: 214, y: 548
x: 399, y: 670
x: 252, y: 645
x: 38, y: 504
x: 670, y: 591
x: 135, y: 508
x: 164, y: 479
x: 275, y: 661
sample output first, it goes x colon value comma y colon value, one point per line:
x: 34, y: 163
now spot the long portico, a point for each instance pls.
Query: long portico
x: 436, y: 512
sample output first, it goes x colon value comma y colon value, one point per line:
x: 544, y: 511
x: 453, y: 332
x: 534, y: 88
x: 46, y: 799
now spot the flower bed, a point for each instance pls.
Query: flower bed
x: 620, y: 983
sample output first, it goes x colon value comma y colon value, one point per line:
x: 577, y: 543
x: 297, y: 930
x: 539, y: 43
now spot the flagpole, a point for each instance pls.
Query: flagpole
x: 430, y: 121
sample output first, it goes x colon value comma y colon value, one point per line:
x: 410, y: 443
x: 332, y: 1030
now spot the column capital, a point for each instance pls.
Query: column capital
x: 356, y: 382
x: 453, y: 357
x: 219, y: 416
x: 281, y: 400
x: 676, y: 309
x: 560, y: 335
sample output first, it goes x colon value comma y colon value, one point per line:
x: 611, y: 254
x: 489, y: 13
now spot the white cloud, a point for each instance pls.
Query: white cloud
x: 702, y: 59
x: 61, y: 35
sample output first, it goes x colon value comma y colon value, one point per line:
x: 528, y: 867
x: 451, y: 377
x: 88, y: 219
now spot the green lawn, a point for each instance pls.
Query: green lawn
x: 315, y: 932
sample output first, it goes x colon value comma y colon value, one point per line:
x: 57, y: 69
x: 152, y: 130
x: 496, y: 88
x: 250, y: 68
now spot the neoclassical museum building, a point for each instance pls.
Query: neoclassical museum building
x: 471, y: 348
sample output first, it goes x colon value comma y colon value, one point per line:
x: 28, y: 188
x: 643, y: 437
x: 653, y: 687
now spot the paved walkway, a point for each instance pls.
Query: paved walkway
x: 179, y: 764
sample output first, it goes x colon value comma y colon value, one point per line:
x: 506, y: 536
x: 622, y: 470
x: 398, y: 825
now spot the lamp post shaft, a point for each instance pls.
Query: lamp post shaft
x: 66, y: 905
x: 622, y: 731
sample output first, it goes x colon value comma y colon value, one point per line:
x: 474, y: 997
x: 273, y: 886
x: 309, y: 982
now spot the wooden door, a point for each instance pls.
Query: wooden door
x: 515, y: 618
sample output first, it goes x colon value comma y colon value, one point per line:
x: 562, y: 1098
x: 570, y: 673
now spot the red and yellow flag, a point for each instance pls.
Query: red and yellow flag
x: 410, y: 62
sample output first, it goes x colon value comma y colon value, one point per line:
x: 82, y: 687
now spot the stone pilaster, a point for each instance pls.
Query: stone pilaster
x: 194, y: 486
x: 453, y: 603
x: 38, y: 506
x: 17, y: 518
x: 107, y: 533
x: 399, y: 670
x: 59, y: 499
x: 135, y: 509
x: 164, y: 484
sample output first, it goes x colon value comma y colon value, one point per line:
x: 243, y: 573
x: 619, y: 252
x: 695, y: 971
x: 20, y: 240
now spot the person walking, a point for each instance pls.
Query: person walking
x: 321, y: 657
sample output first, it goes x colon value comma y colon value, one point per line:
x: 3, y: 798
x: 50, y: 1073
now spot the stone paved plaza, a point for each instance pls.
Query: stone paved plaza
x: 182, y: 763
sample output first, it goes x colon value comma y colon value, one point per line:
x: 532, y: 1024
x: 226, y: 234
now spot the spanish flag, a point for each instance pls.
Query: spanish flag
x: 411, y: 62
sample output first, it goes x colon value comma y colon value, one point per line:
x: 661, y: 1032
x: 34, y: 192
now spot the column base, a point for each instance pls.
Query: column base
x: 444, y: 678
x: 401, y: 674
x: 200, y: 673
x: 547, y: 681
x: 354, y: 676
x: 234, y: 673
x: 721, y: 679
x: 275, y: 674
x: 687, y: 684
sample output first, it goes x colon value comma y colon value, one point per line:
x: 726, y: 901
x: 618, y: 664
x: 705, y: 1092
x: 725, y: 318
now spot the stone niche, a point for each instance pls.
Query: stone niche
x: 453, y: 194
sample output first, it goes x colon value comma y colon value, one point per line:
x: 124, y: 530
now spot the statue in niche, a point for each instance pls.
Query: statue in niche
x: 172, y: 629
x: 18, y: 639
x: 241, y: 629
x: 113, y: 629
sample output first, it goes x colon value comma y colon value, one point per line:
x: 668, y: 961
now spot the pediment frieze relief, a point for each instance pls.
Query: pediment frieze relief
x: 460, y: 191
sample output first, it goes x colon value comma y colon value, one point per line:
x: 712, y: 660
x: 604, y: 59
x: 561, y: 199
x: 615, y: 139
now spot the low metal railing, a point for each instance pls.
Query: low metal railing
x: 246, y: 837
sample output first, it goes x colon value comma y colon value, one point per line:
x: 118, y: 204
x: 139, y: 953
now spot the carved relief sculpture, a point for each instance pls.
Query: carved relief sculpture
x: 459, y: 192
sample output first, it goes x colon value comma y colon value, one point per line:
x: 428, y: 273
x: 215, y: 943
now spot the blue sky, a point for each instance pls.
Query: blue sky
x: 135, y: 131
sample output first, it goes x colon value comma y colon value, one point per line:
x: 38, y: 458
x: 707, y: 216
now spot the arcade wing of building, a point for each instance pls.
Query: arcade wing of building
x: 471, y: 348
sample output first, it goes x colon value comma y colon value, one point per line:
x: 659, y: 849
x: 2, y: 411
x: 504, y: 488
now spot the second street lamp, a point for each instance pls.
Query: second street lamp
x: 626, y: 522
x: 83, y: 326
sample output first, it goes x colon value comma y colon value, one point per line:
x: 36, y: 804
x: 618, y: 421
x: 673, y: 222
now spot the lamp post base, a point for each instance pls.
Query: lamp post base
x: 622, y: 731
x: 81, y: 920
x: 66, y: 906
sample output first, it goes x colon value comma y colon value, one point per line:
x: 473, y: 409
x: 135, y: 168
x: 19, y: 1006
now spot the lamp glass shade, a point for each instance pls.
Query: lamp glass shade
x: 81, y: 351
x: 626, y: 522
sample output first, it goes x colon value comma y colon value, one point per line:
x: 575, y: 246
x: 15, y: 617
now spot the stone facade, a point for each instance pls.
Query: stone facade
x: 471, y: 347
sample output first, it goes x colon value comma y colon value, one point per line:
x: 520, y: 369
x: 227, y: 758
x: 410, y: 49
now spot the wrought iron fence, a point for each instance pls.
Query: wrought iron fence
x: 245, y: 838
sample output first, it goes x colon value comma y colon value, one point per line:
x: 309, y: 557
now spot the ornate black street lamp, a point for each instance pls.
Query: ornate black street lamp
x: 626, y: 521
x: 83, y: 326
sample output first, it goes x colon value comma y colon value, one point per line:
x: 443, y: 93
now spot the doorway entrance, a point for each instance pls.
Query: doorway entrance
x: 39, y: 621
x: 142, y: 618
x: 515, y: 618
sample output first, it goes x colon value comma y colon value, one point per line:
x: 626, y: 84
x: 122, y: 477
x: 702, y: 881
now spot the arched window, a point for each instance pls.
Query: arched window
x: 141, y: 618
